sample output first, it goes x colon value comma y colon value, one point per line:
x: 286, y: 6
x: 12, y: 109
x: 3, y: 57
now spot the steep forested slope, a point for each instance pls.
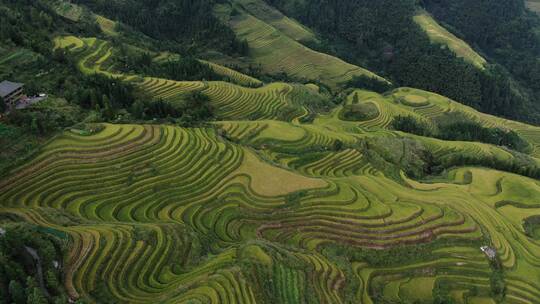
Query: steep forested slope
x: 186, y: 21
x: 383, y: 36
x: 504, y: 30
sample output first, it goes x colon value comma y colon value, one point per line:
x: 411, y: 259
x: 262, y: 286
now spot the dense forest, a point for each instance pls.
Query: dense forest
x: 504, y: 30
x: 185, y: 68
x: 383, y: 36
x: 30, y: 264
x: 182, y: 26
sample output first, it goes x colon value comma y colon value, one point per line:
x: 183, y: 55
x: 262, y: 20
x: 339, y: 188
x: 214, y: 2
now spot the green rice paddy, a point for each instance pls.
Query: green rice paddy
x: 259, y: 207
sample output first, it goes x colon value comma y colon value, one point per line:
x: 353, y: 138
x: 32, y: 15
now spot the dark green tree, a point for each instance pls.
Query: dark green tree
x: 3, y: 106
x: 16, y: 291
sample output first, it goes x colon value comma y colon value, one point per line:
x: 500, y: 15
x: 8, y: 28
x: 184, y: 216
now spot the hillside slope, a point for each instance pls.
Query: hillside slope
x: 439, y: 34
x: 277, y: 52
x: 160, y: 172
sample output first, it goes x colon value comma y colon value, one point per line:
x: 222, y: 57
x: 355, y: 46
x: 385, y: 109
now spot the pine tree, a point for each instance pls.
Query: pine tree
x: 355, y: 98
x: 138, y: 109
x: 108, y: 112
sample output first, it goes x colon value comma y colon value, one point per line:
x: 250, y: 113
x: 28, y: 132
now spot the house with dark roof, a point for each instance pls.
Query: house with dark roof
x: 490, y: 252
x: 11, y: 92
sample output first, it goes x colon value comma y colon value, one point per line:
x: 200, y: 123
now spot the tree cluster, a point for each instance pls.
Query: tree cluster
x: 19, y: 279
x: 462, y: 130
x: 369, y: 83
x: 185, y: 68
x: 185, y: 22
x: 103, y: 94
x: 506, y: 31
x: 531, y: 225
x: 194, y: 109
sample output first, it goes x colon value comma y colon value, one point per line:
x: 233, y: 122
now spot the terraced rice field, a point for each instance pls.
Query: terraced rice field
x: 95, y: 55
x: 533, y: 5
x: 259, y: 207
x: 440, y: 35
x: 107, y: 26
x: 234, y: 76
x: 277, y: 52
x: 284, y: 24
x: 141, y: 201
x: 231, y: 101
x: 427, y: 106
x: 17, y: 57
x: 68, y: 10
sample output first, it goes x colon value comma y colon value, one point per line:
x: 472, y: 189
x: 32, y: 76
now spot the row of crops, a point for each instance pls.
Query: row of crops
x: 259, y: 207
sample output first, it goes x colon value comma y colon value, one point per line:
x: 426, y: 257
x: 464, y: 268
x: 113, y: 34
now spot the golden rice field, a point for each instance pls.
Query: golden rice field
x: 234, y: 76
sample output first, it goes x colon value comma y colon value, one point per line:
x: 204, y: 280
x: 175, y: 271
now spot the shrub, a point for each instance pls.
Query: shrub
x: 457, y: 127
x: 473, y: 131
x: 531, y: 226
x: 410, y: 124
x: 359, y: 112
x: 294, y: 197
x: 369, y: 83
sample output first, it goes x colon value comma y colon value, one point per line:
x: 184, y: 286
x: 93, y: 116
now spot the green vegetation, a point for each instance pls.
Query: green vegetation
x: 160, y: 20
x: 458, y: 128
x: 187, y: 68
x: 277, y: 52
x: 504, y: 31
x: 531, y: 225
x: 356, y: 112
x: 31, y: 260
x: 222, y: 152
x: 403, y: 52
x: 409, y: 124
x: 439, y: 34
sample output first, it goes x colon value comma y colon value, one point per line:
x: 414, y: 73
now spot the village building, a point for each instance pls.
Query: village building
x: 11, y: 92
x: 491, y: 253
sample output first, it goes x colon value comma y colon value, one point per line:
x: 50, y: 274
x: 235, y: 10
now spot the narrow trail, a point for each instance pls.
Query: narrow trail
x: 36, y: 258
